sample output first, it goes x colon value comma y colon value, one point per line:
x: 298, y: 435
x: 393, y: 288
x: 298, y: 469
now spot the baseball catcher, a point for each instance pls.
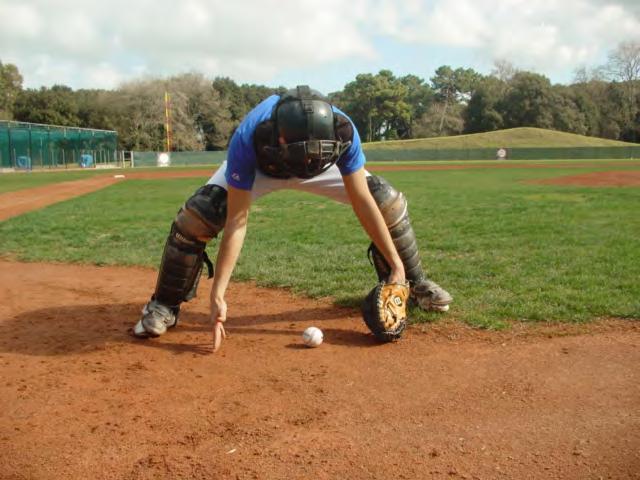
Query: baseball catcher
x: 300, y: 141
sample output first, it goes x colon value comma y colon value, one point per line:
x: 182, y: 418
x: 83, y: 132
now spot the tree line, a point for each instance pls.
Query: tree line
x: 603, y: 102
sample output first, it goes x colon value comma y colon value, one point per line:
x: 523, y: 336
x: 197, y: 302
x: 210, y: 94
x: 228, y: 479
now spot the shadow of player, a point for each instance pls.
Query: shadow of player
x: 58, y: 331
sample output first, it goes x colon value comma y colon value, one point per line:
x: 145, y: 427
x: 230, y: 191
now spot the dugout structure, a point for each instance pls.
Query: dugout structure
x: 26, y: 146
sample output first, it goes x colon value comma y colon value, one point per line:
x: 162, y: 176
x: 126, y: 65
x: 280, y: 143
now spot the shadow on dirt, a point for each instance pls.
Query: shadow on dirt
x: 86, y: 328
x: 332, y: 336
x: 63, y: 330
x: 297, y: 316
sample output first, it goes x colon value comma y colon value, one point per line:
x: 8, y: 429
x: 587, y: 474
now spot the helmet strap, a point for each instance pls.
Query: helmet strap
x: 304, y: 94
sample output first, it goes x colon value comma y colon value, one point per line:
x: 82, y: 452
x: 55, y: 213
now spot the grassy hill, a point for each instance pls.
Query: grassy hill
x: 509, y: 138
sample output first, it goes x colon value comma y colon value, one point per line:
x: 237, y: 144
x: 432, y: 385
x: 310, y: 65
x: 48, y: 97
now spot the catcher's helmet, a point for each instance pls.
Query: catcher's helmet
x: 305, y: 143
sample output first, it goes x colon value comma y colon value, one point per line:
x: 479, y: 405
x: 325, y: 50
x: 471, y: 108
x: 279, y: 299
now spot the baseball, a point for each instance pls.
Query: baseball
x: 312, y: 337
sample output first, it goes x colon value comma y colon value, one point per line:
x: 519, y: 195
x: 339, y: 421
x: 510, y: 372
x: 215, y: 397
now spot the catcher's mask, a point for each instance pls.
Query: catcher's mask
x: 305, y: 143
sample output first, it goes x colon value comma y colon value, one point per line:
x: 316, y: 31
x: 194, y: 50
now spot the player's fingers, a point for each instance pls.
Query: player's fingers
x: 218, y: 335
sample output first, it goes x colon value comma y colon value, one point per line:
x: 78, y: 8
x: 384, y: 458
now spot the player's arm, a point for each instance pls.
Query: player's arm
x: 368, y: 213
x: 238, y: 203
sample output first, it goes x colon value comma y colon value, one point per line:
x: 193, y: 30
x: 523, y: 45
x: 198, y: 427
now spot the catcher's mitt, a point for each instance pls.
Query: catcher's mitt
x: 385, y: 310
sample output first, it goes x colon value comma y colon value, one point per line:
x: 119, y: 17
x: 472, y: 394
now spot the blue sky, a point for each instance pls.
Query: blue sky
x: 323, y: 43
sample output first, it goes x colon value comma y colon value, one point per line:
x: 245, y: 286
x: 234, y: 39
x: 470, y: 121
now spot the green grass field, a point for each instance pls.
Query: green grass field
x: 506, y: 249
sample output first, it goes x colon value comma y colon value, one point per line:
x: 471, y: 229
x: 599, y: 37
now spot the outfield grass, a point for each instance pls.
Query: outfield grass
x: 507, y: 250
x: 14, y: 181
x: 522, y: 137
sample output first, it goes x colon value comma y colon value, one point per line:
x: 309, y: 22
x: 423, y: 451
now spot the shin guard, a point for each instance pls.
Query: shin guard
x: 393, y: 206
x: 426, y: 293
x: 199, y: 220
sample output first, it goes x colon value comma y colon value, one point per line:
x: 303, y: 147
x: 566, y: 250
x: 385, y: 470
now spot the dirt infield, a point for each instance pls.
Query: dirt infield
x: 618, y: 178
x: 22, y: 201
x: 83, y: 399
x: 80, y: 398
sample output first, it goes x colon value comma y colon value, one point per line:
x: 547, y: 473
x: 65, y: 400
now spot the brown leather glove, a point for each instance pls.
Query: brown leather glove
x: 385, y: 310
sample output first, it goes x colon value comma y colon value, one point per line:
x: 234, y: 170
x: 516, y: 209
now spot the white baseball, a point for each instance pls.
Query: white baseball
x: 312, y: 337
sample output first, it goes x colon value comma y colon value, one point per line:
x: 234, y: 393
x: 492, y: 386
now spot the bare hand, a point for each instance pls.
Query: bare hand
x: 219, y: 316
x: 218, y: 335
x: 396, y: 276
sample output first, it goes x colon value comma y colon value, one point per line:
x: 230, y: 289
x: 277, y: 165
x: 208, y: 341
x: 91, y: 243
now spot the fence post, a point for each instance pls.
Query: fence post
x: 30, y: 151
x: 11, y: 162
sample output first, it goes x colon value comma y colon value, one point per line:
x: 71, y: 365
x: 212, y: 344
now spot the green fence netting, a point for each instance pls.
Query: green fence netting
x: 31, y: 145
x: 556, y: 153
x: 182, y: 159
x: 153, y: 159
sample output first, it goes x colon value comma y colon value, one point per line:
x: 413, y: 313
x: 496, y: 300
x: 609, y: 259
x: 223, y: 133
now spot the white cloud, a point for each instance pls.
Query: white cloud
x: 542, y: 35
x: 250, y: 40
x: 104, y: 75
x: 19, y: 22
x: 91, y: 43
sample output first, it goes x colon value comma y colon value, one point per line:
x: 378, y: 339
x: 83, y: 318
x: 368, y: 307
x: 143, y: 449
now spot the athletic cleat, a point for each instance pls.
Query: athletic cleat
x: 156, y: 319
x: 430, y: 296
x: 139, y: 331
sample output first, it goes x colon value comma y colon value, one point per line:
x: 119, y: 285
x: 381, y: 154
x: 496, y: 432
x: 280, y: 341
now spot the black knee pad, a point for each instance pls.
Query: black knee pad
x: 210, y: 204
x: 394, y: 209
x: 200, y: 219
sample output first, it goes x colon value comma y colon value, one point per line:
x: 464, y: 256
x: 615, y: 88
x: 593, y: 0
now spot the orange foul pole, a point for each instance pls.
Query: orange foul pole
x: 167, y: 120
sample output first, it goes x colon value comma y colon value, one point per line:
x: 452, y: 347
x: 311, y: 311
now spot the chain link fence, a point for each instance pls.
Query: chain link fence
x: 154, y: 159
x: 25, y: 146
x: 554, y: 153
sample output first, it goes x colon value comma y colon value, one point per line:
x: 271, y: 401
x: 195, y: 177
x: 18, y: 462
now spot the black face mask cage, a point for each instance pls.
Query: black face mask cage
x: 308, y: 159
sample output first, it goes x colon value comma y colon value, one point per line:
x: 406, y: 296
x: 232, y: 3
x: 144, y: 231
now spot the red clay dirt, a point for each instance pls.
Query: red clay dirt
x: 618, y: 178
x: 22, y: 201
x: 80, y: 398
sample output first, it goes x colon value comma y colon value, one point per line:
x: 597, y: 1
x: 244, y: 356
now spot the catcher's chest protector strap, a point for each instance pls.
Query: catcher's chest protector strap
x: 200, y: 219
x: 393, y: 206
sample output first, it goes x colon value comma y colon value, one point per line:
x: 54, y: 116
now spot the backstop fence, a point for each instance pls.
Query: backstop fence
x: 182, y: 159
x: 32, y: 145
x: 153, y: 159
x: 522, y: 153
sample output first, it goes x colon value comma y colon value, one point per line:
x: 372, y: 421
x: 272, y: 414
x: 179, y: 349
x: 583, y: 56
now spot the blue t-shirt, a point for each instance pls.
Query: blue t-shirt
x: 242, y: 160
